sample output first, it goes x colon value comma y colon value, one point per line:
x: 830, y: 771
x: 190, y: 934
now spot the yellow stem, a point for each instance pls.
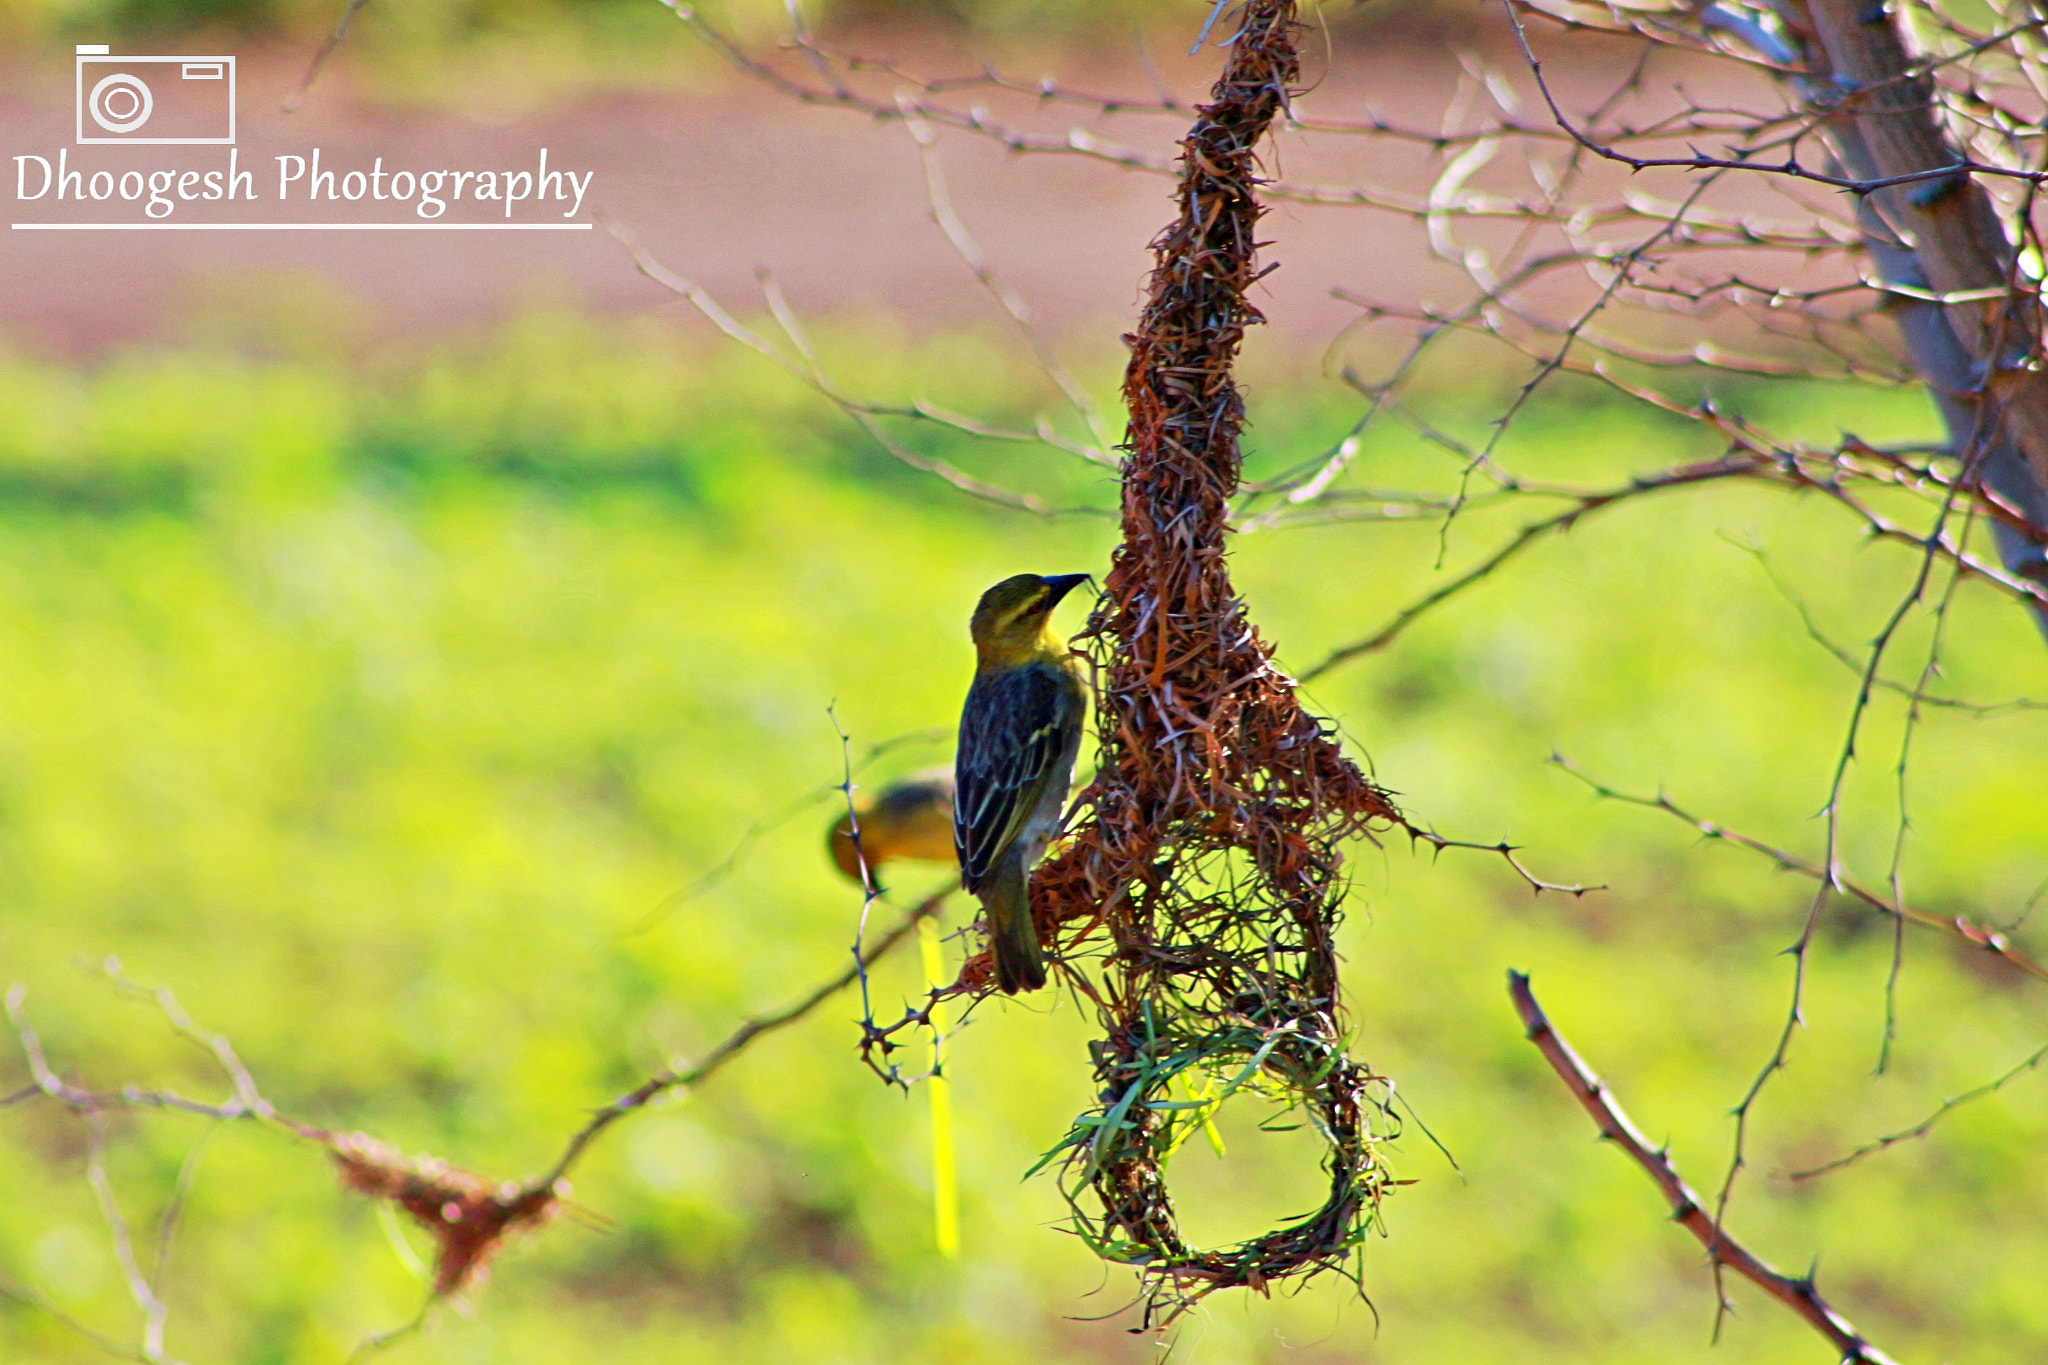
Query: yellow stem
x: 945, y: 1190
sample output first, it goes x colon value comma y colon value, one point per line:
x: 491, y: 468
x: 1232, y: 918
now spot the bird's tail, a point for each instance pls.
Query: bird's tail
x: 1012, y: 937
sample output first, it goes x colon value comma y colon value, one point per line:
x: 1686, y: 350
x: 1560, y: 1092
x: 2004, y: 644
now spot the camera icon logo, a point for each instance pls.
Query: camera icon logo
x: 154, y: 99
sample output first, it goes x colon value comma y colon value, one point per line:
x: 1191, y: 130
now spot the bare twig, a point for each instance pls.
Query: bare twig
x: 139, y: 1289
x: 378, y: 1342
x: 1583, y: 505
x: 326, y: 49
x: 1506, y: 850
x: 721, y: 871
x: 1012, y: 303
x: 863, y: 413
x: 41, y: 1302
x: 670, y: 1079
x: 1992, y: 941
x: 867, y: 415
x: 1926, y: 1125
x: 167, y: 1224
x: 1790, y: 167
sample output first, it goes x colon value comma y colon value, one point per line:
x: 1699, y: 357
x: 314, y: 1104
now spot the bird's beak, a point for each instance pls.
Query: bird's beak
x: 1059, y: 585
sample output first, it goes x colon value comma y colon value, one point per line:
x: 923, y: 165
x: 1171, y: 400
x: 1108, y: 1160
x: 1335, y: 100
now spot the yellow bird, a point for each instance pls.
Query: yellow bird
x: 1019, y: 733
x: 911, y: 818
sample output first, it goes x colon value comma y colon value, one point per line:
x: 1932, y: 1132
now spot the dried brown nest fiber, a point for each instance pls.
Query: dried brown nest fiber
x: 1210, y: 853
x: 468, y: 1217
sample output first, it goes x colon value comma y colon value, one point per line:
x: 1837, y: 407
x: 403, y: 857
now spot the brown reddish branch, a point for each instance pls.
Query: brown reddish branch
x: 668, y: 1079
x: 1790, y: 167
x: 468, y: 1216
x: 1976, y: 935
x: 326, y: 49
x: 1795, y: 1292
x: 1740, y: 464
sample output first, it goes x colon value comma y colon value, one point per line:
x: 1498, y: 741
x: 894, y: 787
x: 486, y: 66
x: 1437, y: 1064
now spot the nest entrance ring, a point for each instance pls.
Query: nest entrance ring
x: 1152, y: 1105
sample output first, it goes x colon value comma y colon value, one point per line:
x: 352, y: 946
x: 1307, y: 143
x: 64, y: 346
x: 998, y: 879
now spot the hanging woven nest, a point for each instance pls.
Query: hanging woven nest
x: 1207, y: 873
x: 1211, y: 849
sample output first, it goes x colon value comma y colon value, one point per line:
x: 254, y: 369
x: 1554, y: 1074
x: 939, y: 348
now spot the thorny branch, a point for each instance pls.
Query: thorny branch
x: 1790, y: 167
x: 1926, y: 1125
x: 1797, y: 1293
x: 1830, y: 320
x: 1801, y: 470
x: 1507, y: 851
x: 1993, y: 941
x: 721, y: 871
x: 737, y: 1042
x: 145, y: 1290
x: 804, y: 367
x: 468, y: 1217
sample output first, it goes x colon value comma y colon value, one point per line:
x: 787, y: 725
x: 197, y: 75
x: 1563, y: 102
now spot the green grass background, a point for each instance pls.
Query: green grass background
x: 416, y: 38
x: 463, y: 54
x: 369, y: 703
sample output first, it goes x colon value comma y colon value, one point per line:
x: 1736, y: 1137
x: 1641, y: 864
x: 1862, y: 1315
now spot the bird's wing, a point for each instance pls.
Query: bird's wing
x: 1012, y: 735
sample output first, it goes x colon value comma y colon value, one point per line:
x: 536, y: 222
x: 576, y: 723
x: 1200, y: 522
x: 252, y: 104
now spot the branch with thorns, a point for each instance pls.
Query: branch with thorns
x: 468, y: 1217
x: 1993, y: 941
x: 1797, y: 1293
x: 1927, y: 1125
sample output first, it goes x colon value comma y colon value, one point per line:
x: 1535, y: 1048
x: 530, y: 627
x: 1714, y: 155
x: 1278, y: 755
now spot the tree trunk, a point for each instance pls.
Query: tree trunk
x: 1980, y: 356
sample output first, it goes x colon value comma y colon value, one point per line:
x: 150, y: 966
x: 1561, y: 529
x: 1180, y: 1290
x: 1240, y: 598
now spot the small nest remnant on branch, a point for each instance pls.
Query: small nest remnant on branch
x: 467, y: 1217
x: 1211, y: 853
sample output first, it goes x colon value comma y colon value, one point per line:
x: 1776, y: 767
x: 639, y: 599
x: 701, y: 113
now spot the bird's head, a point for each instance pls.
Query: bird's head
x: 1014, y: 618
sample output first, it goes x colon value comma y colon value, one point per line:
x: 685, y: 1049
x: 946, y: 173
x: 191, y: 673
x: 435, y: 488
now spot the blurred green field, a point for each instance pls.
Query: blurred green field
x: 614, y: 25
x: 452, y: 53
x: 372, y: 704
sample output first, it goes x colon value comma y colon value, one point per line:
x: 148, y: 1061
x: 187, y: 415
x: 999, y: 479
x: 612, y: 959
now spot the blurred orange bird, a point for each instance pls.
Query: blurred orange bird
x: 910, y: 818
